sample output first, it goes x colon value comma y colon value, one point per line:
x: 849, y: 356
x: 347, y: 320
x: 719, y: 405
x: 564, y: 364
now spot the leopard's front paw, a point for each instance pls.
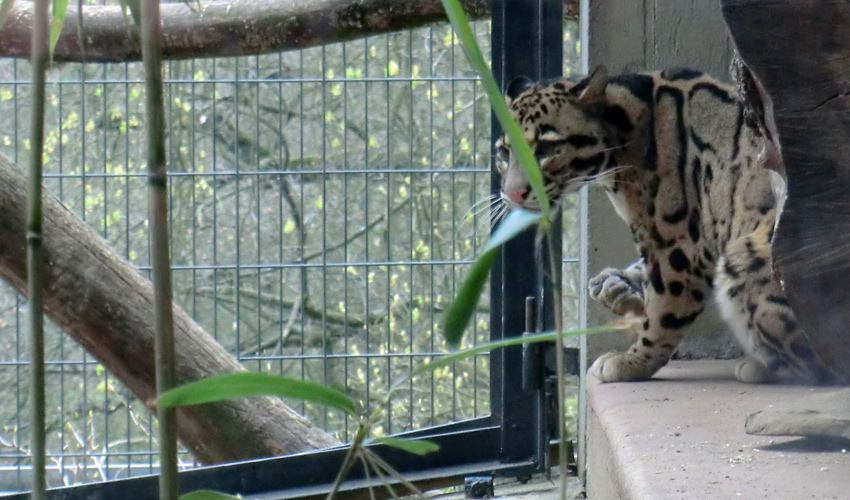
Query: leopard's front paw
x: 751, y: 370
x: 622, y: 367
x: 614, y: 290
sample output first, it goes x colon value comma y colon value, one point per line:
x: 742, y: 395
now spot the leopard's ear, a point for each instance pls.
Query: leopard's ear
x: 516, y: 87
x: 591, y: 90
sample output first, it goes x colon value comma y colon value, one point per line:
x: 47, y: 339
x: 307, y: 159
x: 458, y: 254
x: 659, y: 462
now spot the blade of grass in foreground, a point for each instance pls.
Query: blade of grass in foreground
x: 519, y: 146
x: 622, y: 324
x: 463, y: 306
x: 249, y: 384
x: 415, y: 446
x: 207, y: 495
x: 59, y: 9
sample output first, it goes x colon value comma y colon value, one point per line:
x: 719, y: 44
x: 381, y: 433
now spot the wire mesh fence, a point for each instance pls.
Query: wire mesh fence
x: 320, y: 223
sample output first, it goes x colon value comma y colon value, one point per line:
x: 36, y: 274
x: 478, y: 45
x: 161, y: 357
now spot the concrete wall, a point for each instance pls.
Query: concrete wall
x: 634, y: 35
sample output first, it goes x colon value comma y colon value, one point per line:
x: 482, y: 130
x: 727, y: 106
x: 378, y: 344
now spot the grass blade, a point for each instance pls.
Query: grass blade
x: 419, y: 447
x: 519, y: 146
x: 463, y: 306
x: 133, y: 7
x: 459, y: 314
x: 250, y: 384
x: 59, y: 9
x: 207, y: 495
x: 622, y: 324
x: 516, y: 222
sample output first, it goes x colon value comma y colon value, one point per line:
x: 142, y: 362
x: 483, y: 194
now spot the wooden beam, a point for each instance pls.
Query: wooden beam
x: 230, y: 28
x: 799, y: 50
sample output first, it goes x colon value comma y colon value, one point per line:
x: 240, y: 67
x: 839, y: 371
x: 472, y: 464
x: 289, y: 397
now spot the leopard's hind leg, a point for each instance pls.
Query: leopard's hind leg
x: 753, y: 303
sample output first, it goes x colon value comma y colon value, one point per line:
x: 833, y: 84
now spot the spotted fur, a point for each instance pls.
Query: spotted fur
x: 681, y: 165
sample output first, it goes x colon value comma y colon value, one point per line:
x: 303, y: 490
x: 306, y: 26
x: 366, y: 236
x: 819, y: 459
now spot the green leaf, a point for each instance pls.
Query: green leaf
x: 59, y: 9
x: 195, y: 8
x: 460, y: 312
x: 250, y: 384
x: 135, y: 10
x: 519, y: 146
x: 5, y: 10
x: 622, y: 324
x: 516, y: 222
x: 415, y: 446
x: 207, y: 495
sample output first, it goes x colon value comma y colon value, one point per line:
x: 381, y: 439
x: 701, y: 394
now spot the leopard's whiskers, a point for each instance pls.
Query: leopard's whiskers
x: 496, y: 214
x: 485, y: 204
x: 608, y: 173
x: 594, y: 178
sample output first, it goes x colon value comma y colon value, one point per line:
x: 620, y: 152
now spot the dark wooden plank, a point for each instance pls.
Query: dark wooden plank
x: 800, y: 51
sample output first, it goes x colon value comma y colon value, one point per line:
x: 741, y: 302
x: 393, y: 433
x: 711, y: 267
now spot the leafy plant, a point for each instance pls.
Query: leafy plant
x: 207, y: 495
x: 455, y: 322
x: 59, y: 9
x: 246, y: 384
x: 459, y: 313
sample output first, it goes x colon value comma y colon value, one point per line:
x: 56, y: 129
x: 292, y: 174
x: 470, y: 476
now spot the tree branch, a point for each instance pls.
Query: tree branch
x: 225, y: 28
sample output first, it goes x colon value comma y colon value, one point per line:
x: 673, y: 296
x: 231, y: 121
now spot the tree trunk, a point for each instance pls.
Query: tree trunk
x: 107, y: 307
x: 798, y: 50
x: 231, y: 28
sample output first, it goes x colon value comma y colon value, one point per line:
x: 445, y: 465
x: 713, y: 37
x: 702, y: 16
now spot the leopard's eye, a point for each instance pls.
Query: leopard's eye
x: 546, y: 149
x: 503, y: 153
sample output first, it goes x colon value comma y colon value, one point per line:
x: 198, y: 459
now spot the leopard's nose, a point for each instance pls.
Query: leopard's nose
x: 517, y: 195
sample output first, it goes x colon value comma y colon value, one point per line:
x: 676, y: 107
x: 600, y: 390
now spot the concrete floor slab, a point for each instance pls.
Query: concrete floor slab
x: 681, y: 436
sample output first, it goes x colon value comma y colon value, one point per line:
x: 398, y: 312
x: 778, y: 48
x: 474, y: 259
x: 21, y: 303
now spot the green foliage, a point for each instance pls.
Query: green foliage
x: 134, y: 10
x: 462, y: 308
x: 250, y: 384
x: 464, y: 303
x: 59, y: 9
x: 254, y: 384
x: 499, y: 344
x: 419, y: 447
x: 207, y: 495
x: 519, y: 145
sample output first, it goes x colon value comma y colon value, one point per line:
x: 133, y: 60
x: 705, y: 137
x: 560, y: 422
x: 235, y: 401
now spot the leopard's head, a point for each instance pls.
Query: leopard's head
x: 563, y: 123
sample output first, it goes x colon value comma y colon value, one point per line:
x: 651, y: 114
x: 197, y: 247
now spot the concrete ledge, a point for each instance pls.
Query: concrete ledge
x: 681, y: 436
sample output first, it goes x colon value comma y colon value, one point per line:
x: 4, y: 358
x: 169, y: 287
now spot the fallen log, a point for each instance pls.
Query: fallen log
x: 104, y: 304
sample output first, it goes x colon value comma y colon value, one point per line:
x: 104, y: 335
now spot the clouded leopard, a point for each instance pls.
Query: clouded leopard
x: 680, y: 163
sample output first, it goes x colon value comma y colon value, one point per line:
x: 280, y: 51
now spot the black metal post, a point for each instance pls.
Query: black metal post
x: 526, y: 41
